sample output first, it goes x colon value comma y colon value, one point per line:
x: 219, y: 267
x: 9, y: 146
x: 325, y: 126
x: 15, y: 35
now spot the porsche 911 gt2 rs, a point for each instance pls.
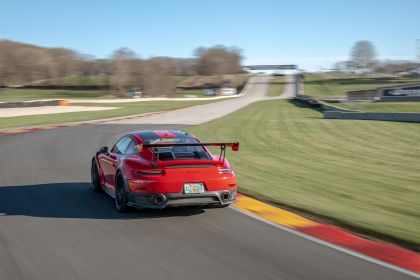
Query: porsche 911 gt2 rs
x: 158, y: 169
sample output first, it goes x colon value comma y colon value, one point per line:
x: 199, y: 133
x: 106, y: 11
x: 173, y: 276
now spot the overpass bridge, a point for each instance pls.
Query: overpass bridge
x: 271, y: 67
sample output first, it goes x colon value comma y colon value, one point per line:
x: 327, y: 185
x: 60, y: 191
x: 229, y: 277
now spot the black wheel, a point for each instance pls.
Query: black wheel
x: 120, y: 194
x: 94, y: 175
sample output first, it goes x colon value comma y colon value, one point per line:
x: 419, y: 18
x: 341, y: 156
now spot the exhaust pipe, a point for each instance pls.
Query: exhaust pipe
x: 158, y: 199
x: 225, y: 196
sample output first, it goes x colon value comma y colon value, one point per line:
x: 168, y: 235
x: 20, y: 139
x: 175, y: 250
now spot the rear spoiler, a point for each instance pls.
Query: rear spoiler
x: 233, y: 145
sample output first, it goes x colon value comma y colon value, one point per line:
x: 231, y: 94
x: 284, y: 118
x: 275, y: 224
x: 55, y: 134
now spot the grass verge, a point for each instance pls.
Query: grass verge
x: 361, y: 174
x: 190, y: 93
x: 276, y: 86
x: 125, y: 109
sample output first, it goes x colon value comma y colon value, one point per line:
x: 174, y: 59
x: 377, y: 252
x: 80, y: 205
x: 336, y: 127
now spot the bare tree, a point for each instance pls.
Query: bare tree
x: 65, y: 61
x: 22, y: 64
x: 156, y: 79
x: 122, y: 61
x: 218, y: 60
x: 363, y: 55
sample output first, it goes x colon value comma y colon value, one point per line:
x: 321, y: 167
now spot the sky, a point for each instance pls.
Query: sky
x: 309, y: 33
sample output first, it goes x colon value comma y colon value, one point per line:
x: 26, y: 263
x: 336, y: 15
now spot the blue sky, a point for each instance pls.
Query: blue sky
x: 308, y: 33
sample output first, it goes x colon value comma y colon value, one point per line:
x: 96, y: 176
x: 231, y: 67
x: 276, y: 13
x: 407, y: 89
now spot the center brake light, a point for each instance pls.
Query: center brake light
x: 149, y: 172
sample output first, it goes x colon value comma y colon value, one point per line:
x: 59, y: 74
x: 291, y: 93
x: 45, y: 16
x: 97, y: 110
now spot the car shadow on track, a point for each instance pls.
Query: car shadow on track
x: 73, y: 200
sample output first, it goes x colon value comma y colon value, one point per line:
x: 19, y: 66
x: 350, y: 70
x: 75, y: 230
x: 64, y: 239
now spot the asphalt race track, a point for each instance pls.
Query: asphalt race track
x: 52, y: 226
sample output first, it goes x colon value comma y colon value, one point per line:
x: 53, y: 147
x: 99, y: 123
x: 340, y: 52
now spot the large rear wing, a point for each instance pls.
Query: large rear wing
x: 233, y: 145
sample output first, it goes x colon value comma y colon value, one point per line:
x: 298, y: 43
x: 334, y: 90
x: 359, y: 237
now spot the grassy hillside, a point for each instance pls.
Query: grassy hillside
x: 412, y: 107
x: 76, y: 81
x: 178, y: 79
x: 363, y: 174
x: 276, y: 86
x: 321, y: 84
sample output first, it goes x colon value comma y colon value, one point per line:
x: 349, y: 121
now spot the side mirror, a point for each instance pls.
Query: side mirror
x: 104, y: 150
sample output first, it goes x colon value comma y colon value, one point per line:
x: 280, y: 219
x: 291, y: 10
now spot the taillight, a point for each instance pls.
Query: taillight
x: 149, y: 172
x: 225, y: 170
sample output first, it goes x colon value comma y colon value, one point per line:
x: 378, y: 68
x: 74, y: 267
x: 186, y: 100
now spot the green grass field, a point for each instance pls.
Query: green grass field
x: 321, y: 85
x: 360, y: 174
x: 35, y: 94
x: 276, y: 86
x: 407, y: 107
x: 178, y: 79
x: 125, y: 109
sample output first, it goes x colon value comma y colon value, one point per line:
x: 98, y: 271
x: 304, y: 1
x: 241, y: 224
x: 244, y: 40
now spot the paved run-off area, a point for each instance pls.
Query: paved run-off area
x: 46, y: 110
x: 53, y: 227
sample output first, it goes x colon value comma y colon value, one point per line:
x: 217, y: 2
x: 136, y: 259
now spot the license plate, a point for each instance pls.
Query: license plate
x: 194, y: 188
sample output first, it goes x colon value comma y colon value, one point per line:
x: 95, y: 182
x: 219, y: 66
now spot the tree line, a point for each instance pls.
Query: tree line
x: 363, y: 59
x: 22, y: 64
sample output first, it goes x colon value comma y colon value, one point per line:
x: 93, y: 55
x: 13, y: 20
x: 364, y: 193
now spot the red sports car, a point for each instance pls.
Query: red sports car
x: 158, y: 169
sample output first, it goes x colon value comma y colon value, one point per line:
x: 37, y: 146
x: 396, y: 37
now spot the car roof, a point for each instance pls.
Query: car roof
x: 146, y: 135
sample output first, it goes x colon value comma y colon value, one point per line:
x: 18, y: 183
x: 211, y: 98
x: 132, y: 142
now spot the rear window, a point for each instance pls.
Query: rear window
x: 184, y: 152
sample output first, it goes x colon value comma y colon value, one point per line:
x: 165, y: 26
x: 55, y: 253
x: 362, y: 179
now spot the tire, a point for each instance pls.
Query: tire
x: 94, y: 176
x: 121, y: 198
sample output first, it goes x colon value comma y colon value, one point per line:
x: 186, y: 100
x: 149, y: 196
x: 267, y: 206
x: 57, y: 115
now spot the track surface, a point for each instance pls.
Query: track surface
x: 53, y: 227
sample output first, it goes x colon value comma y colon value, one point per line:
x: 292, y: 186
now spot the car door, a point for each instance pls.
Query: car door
x: 110, y: 161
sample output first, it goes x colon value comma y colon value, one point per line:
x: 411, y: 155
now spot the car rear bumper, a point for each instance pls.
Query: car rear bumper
x: 213, y: 198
